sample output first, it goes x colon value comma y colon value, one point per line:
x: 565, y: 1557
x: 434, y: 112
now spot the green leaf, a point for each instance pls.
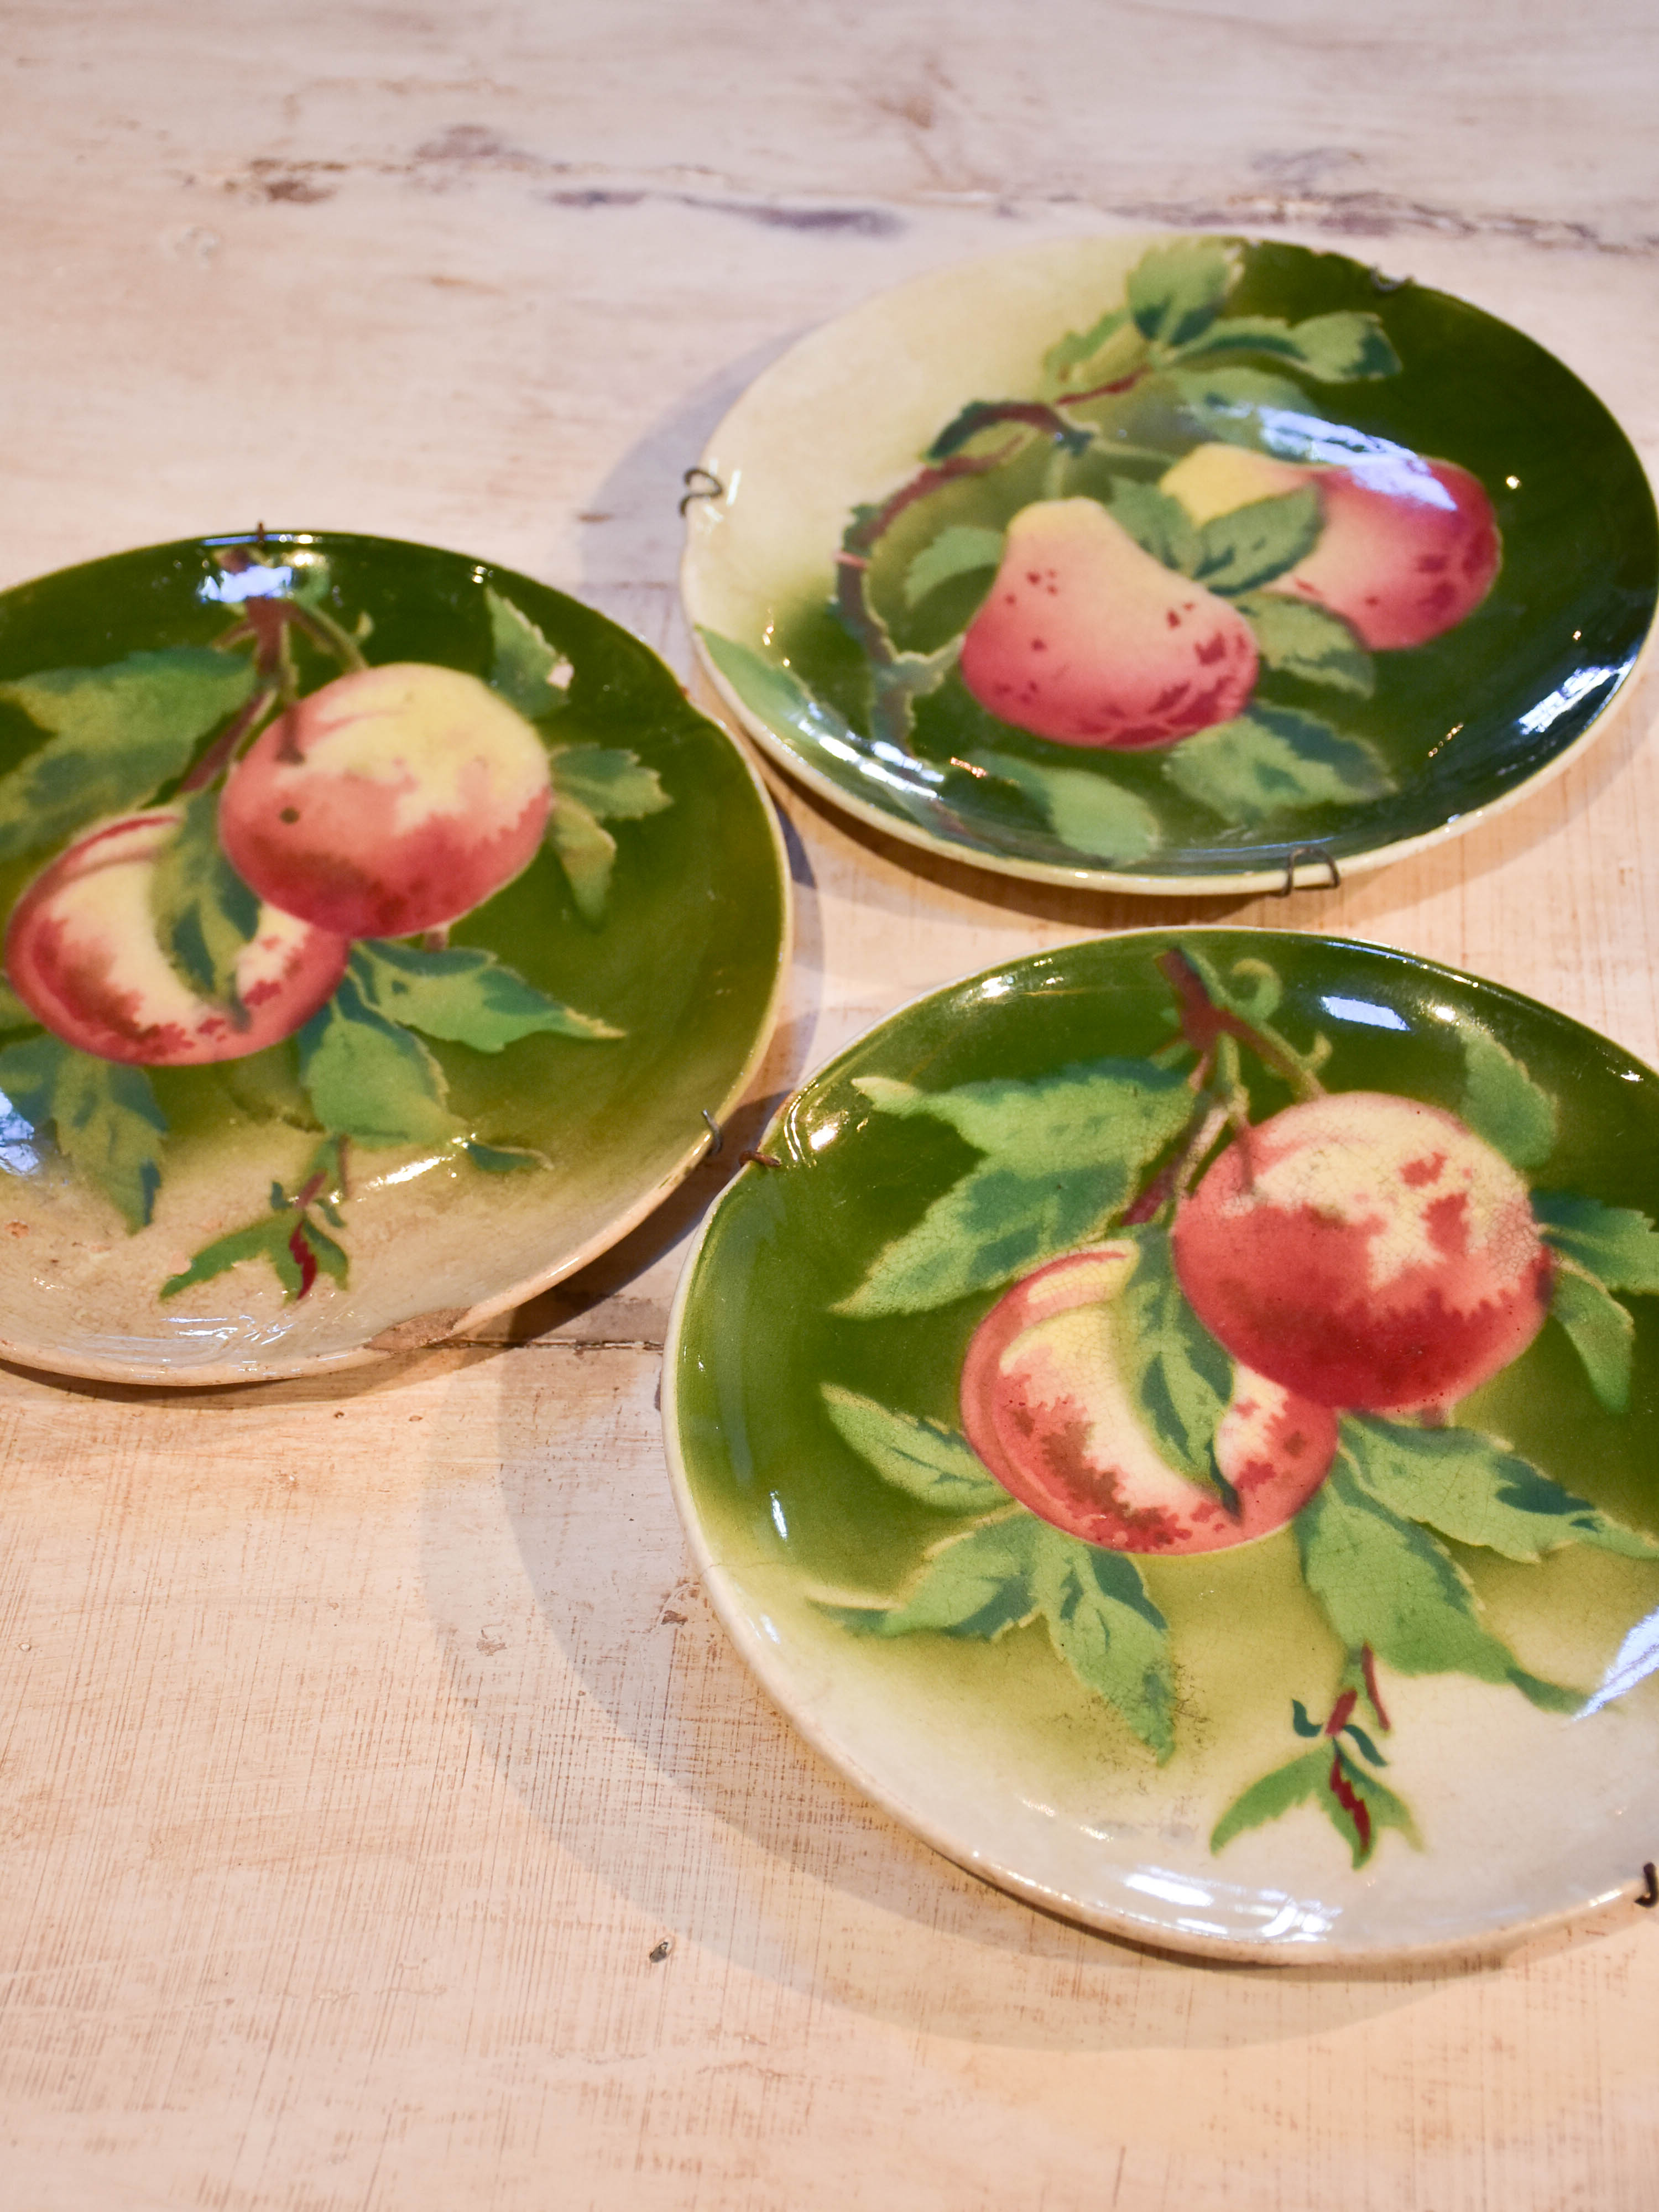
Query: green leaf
x: 1303, y: 640
x: 1359, y: 1807
x: 1300, y: 1782
x: 265, y: 1239
x: 502, y: 1159
x: 117, y: 734
x: 204, y: 914
x: 285, y: 1236
x: 981, y: 1584
x: 1076, y: 347
x: 1084, y: 808
x: 1250, y: 545
x: 1002, y: 1574
x: 1275, y: 760
x: 1343, y: 348
x: 1109, y: 1631
x: 1158, y: 524
x: 586, y: 853
x: 104, y: 1118
x: 957, y: 551
x: 1234, y: 405
x: 529, y: 673
x: 929, y: 1462
x: 1504, y: 1105
x: 369, y: 1079
x: 462, y: 995
x: 1617, y: 1245
x: 1385, y: 1581
x: 1602, y: 1332
x: 1476, y: 1490
x: 1179, y: 1378
x: 1062, y: 1156
x: 1175, y: 291
x: 611, y: 782
x: 1346, y: 347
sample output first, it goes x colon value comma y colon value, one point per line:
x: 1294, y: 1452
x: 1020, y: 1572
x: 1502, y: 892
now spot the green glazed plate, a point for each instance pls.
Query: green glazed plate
x: 1175, y: 1421
x: 1171, y: 562
x: 380, y: 928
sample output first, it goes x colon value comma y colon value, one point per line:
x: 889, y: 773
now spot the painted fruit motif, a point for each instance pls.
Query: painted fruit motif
x: 1045, y: 1407
x: 1409, y: 546
x: 391, y: 800
x: 1367, y: 1251
x: 1086, y: 640
x: 82, y: 953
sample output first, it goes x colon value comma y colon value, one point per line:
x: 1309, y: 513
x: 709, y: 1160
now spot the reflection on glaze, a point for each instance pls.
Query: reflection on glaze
x: 1637, y: 1657
x: 17, y: 1154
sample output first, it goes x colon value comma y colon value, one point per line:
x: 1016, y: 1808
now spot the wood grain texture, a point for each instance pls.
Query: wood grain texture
x: 361, y: 1743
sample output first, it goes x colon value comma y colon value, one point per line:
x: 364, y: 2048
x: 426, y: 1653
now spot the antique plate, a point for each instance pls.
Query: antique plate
x: 1209, y: 1660
x: 518, y: 920
x: 1374, y: 563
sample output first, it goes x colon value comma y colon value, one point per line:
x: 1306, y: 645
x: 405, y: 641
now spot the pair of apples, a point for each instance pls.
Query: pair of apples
x: 392, y: 800
x: 1359, y: 1251
x: 1086, y: 640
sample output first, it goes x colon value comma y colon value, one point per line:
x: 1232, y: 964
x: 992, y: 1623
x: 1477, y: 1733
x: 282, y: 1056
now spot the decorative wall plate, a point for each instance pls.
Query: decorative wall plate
x: 379, y: 925
x: 1178, y: 1425
x: 1170, y: 563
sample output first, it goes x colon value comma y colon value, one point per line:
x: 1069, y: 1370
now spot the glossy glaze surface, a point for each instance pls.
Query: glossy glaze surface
x: 1263, y: 1664
x: 381, y: 926
x: 1155, y: 561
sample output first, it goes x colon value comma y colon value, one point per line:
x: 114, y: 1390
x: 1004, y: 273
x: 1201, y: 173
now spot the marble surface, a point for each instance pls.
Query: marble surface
x: 362, y: 1745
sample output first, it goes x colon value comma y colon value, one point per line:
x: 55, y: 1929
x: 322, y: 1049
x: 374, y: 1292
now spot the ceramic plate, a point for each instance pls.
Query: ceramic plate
x: 379, y: 926
x: 1178, y: 562
x: 1179, y: 1427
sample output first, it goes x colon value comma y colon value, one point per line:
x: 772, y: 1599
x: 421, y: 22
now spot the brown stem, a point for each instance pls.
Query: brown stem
x: 1202, y: 1022
x: 222, y: 750
x: 1101, y: 390
x: 864, y: 536
x: 1030, y: 414
x: 1368, y: 1665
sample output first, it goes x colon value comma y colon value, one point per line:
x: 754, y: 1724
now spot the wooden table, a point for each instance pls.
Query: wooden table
x: 363, y: 1743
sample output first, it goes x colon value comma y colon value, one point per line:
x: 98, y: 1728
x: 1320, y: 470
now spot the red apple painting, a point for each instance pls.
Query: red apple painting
x: 1044, y: 1404
x: 84, y: 955
x: 1368, y: 1246
x: 1235, y: 1302
x: 393, y: 801
x: 248, y: 854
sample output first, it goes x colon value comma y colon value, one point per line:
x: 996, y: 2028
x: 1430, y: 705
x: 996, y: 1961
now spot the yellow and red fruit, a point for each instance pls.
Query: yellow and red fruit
x: 1046, y: 1408
x: 1408, y: 546
x: 82, y: 953
x: 1366, y: 1251
x: 392, y: 800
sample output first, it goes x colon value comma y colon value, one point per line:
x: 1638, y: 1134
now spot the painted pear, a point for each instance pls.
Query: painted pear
x: 1409, y: 546
x: 1087, y: 639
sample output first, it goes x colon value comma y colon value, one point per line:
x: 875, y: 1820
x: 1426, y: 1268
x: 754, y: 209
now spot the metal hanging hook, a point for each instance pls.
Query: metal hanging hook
x: 1314, y: 856
x: 710, y: 488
